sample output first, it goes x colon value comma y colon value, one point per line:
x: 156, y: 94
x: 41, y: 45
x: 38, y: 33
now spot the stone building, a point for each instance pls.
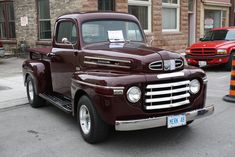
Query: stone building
x: 172, y: 24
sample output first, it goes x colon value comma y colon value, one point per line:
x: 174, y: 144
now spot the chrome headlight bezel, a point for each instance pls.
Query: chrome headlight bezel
x: 133, y: 94
x: 194, y: 86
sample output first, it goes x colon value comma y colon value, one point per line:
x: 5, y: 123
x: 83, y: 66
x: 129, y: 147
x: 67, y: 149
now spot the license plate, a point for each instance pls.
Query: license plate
x: 202, y: 63
x: 176, y: 120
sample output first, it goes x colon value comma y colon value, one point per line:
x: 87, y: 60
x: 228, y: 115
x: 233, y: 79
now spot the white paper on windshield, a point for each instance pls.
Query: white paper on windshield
x: 115, y: 36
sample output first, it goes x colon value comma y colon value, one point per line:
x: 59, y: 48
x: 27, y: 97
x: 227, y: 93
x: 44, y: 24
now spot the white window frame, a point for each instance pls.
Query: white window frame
x: 147, y: 3
x: 177, y: 6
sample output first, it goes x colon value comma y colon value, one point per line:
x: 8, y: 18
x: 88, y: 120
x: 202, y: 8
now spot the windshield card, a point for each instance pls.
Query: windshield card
x: 116, y: 36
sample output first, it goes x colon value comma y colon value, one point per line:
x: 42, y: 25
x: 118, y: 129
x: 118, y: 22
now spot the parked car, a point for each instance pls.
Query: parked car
x: 216, y: 48
x: 101, y: 71
x: 2, y: 51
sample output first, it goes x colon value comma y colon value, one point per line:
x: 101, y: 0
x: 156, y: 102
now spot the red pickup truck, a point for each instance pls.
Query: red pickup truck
x: 216, y: 48
x: 101, y: 71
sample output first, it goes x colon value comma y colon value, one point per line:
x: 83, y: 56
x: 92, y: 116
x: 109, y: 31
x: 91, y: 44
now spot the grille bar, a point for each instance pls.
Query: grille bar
x: 167, y: 98
x: 167, y: 95
x: 167, y: 105
x: 167, y: 91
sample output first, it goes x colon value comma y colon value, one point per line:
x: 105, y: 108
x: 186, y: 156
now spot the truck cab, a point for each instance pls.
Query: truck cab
x: 215, y: 48
x: 101, y: 71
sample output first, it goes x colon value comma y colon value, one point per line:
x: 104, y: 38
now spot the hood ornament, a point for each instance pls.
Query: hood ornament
x: 169, y: 65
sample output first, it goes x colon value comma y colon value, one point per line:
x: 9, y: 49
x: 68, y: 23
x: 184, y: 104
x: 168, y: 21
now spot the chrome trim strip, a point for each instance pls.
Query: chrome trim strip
x: 98, y: 86
x: 108, y: 65
x: 175, y: 74
x: 185, y: 89
x: 167, y: 105
x: 164, y: 85
x: 167, y: 98
x: 107, y: 59
x: 139, y: 124
x: 152, y: 67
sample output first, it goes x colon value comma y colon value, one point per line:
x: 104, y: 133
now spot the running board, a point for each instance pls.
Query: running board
x: 59, y: 101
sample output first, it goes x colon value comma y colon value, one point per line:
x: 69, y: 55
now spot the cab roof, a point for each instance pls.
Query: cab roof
x: 224, y: 28
x: 86, y: 16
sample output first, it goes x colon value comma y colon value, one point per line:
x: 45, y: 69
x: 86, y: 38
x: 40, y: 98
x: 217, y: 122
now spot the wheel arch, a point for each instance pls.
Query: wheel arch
x: 79, y: 93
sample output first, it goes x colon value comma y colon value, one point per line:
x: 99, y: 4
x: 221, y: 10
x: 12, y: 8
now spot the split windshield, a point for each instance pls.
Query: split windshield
x: 111, y: 30
x: 219, y: 35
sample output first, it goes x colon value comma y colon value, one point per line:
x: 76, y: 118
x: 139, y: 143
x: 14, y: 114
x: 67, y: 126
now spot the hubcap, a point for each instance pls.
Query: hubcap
x: 85, y: 119
x: 30, y: 90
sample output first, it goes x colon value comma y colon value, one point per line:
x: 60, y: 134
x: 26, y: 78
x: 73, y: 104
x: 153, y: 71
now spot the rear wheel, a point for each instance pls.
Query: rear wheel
x: 92, y: 127
x: 34, y: 99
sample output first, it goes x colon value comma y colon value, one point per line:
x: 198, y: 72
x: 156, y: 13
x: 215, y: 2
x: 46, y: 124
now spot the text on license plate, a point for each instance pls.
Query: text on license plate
x: 202, y: 63
x: 176, y: 120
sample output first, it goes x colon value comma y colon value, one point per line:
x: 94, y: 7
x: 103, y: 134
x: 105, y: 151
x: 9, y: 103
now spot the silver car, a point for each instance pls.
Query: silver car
x: 2, y: 51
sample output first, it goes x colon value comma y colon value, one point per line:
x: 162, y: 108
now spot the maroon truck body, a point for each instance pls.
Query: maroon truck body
x: 105, y: 71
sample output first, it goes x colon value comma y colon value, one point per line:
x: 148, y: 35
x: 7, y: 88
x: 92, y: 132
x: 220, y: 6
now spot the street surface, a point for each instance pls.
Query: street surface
x: 48, y: 132
x: 12, y: 91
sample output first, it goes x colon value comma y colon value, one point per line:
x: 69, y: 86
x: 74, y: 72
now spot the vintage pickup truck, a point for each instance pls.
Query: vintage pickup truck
x: 101, y: 71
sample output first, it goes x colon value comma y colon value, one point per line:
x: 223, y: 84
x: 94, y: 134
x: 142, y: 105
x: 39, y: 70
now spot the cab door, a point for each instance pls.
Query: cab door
x: 64, y: 58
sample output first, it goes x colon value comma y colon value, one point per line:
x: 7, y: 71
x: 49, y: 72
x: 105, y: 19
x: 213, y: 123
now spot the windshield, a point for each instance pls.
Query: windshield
x: 111, y: 30
x: 219, y: 35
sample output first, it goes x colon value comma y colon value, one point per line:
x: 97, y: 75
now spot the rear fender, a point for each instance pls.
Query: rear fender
x: 40, y: 72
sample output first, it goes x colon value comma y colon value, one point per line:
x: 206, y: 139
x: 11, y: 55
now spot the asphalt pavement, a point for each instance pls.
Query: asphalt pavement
x: 12, y: 90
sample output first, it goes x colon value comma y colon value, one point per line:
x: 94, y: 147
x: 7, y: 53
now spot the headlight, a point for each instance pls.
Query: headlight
x: 221, y: 51
x: 194, y: 86
x: 187, y: 51
x: 134, y: 94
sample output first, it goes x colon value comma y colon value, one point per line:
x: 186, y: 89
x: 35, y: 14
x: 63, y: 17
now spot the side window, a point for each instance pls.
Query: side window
x: 66, y: 30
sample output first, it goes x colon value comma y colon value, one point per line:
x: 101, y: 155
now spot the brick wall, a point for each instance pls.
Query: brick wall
x: 121, y: 5
x: 175, y: 41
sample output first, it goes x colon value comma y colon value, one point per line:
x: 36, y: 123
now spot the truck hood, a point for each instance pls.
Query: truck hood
x: 136, y: 56
x: 212, y: 44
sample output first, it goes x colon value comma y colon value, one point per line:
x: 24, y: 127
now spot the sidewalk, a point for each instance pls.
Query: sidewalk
x: 12, y: 90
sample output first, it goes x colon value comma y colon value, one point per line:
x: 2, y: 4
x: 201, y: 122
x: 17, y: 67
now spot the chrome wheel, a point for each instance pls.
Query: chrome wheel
x: 30, y: 91
x: 85, y: 119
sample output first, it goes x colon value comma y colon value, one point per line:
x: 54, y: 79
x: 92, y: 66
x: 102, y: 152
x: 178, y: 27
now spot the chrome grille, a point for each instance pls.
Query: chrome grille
x: 203, y: 51
x: 158, y: 65
x: 166, y: 95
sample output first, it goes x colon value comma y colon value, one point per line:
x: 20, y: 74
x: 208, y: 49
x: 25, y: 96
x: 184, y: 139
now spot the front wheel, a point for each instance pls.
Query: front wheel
x: 34, y: 99
x: 92, y: 127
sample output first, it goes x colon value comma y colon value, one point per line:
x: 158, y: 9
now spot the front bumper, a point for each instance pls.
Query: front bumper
x: 211, y: 60
x: 138, y: 124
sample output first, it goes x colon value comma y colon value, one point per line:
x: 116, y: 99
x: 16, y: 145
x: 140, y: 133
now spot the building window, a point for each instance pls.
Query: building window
x: 142, y: 10
x: 214, y: 19
x: 106, y: 5
x: 7, y: 20
x: 170, y: 15
x: 44, y: 20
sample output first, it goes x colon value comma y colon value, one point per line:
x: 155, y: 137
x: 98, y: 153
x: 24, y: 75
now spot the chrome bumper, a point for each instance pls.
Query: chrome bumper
x: 139, y: 124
